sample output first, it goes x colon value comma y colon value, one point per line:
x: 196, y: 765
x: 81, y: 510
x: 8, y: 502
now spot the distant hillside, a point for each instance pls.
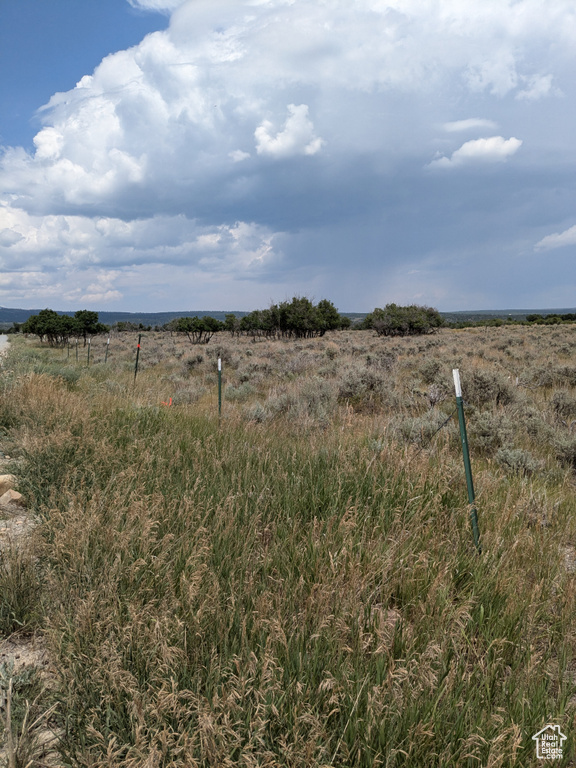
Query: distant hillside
x: 505, y: 314
x: 10, y: 316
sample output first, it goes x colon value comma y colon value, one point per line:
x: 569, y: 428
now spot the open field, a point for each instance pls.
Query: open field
x: 296, y: 583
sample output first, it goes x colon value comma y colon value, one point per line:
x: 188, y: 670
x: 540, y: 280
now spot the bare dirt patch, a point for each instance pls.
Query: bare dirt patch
x: 14, y: 529
x: 28, y: 738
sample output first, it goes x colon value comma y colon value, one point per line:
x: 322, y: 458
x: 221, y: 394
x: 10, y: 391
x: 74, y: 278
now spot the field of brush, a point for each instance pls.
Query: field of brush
x: 296, y: 583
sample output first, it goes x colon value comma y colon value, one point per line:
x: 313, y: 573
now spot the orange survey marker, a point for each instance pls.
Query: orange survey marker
x: 168, y: 403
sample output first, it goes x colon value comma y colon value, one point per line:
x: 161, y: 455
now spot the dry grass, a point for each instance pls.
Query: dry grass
x: 297, y: 584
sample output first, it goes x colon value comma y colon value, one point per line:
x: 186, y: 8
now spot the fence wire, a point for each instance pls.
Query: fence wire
x: 433, y: 435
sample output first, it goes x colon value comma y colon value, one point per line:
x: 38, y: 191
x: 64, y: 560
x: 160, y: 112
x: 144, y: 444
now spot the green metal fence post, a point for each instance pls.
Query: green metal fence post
x: 89, y: 345
x: 466, y: 455
x: 76, y: 350
x: 137, y: 356
x: 107, y: 346
x: 219, y: 388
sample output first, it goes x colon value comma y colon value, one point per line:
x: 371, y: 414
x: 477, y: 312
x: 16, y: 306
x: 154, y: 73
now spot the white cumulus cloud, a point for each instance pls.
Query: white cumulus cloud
x: 238, y: 155
x: 163, y: 120
x: 494, y: 149
x: 296, y: 138
x: 557, y: 240
x: 538, y: 86
x: 102, y: 290
x: 167, y: 154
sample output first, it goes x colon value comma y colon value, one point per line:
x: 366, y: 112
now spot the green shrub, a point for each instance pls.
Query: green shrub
x: 225, y: 353
x: 190, y: 363
x: 317, y: 397
x: 480, y: 387
x: 257, y: 412
x: 239, y: 393
x: 517, y: 461
x: 382, y: 361
x: 564, y: 405
x: 552, y: 375
x: 489, y: 431
x: 430, y: 369
x: 314, y: 399
x: 331, y: 351
x: 565, y: 448
x: 360, y: 384
x: 412, y: 320
x: 422, y: 429
x: 188, y: 395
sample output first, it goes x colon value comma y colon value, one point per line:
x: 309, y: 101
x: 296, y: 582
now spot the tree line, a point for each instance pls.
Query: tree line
x: 551, y: 319
x: 57, y: 329
x: 299, y: 318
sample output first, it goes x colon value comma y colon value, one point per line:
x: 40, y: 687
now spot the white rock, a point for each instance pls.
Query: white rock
x: 6, y: 482
x: 12, y: 497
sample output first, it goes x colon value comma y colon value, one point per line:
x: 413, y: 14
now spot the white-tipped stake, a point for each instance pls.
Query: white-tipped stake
x: 457, y: 385
x: 466, y: 456
x: 219, y: 389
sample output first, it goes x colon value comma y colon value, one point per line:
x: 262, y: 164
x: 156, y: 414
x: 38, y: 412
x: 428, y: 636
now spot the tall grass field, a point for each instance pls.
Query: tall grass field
x: 295, y: 582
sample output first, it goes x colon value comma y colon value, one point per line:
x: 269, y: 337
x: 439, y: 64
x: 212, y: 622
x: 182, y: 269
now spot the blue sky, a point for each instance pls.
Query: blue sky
x: 221, y: 154
x: 44, y: 44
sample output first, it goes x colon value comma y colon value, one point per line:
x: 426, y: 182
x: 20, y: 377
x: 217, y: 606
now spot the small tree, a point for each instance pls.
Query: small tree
x: 303, y: 318
x: 57, y: 329
x: 412, y: 320
x: 49, y: 325
x: 298, y: 318
x: 329, y: 319
x: 87, y: 324
x: 198, y: 329
x: 232, y: 324
x: 256, y: 323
